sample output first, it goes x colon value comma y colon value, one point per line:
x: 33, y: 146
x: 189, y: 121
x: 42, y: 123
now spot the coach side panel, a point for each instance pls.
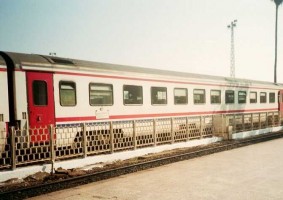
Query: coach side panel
x: 20, y: 100
x: 4, y: 104
x: 77, y: 107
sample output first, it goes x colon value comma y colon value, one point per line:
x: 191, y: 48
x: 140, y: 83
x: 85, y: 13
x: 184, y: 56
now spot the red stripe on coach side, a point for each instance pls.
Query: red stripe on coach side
x: 89, y: 118
x: 68, y: 119
x: 155, y: 80
x: 130, y: 78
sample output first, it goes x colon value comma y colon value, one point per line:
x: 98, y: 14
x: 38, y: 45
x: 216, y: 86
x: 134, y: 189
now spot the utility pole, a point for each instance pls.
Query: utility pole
x: 231, y: 26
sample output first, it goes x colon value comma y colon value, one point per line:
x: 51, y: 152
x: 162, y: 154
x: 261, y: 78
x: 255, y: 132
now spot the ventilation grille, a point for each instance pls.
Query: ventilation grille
x: 62, y: 61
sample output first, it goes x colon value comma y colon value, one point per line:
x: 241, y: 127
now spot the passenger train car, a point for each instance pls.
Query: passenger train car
x: 4, y: 104
x: 39, y: 90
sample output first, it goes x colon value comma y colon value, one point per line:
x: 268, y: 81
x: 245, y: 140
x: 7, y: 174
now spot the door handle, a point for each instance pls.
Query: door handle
x: 38, y: 118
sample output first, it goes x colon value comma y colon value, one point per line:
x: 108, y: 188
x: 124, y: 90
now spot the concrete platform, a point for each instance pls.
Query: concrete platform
x: 252, y: 172
x: 92, y: 161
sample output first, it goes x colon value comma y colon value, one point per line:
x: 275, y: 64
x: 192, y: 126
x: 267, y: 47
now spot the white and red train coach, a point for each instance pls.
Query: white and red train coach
x: 41, y: 90
x: 4, y: 104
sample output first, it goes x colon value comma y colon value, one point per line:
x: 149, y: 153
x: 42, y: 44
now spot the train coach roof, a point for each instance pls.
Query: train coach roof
x: 20, y: 59
x: 2, y: 61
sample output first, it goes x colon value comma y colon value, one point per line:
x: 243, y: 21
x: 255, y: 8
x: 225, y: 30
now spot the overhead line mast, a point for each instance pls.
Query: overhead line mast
x: 232, y: 58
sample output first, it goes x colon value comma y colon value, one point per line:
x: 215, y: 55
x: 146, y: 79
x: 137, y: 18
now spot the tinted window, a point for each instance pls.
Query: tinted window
x: 215, y: 96
x: 242, y: 96
x: 199, y: 96
x: 158, y: 95
x: 229, y: 96
x: 132, y: 94
x: 100, y: 94
x: 253, y: 97
x: 180, y: 96
x: 272, y: 97
x: 39, y: 91
x: 67, y: 93
x: 263, y: 97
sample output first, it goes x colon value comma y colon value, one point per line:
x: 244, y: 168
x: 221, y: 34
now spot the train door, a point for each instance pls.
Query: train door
x: 280, y: 102
x: 40, y: 103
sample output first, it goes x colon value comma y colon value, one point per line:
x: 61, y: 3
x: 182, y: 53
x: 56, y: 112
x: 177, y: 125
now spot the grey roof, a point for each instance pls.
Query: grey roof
x: 59, y: 62
x: 2, y: 61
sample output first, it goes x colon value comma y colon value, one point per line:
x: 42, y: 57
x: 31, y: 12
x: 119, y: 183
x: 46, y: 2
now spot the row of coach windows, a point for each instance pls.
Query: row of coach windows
x: 101, y: 94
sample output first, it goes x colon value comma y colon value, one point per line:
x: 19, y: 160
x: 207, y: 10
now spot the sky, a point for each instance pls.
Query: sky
x: 179, y: 35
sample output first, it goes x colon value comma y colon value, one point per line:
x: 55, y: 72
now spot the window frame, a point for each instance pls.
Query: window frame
x: 101, y: 84
x: 34, y: 94
x: 274, y: 99
x: 60, y: 93
x: 186, y: 96
x: 260, y: 100
x: 226, y: 91
x: 204, y: 98
x: 239, y: 97
x: 151, y: 94
x: 215, y: 95
x: 133, y: 104
x: 255, y: 97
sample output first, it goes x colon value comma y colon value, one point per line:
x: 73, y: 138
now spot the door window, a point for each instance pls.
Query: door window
x: 39, y: 91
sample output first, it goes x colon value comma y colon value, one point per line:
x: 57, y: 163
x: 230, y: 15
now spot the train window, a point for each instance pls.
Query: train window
x: 132, y: 95
x: 199, y: 96
x: 39, y: 91
x: 180, y: 96
x: 242, y: 97
x: 215, y: 96
x: 271, y: 97
x: 158, y: 95
x: 67, y: 93
x: 263, y: 97
x: 229, y: 96
x: 100, y: 94
x: 253, y: 97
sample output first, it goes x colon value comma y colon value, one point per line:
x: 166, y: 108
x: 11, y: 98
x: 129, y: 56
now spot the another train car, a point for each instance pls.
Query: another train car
x: 46, y: 90
x: 4, y: 104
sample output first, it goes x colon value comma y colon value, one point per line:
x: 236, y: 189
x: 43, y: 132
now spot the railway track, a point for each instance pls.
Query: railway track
x: 142, y: 163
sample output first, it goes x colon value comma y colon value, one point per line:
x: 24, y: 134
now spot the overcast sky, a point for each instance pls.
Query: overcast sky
x: 180, y: 35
